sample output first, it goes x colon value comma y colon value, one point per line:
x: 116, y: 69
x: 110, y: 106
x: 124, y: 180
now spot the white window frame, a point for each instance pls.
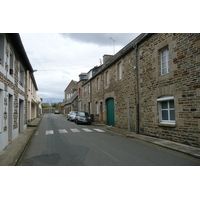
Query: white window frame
x: 164, y: 60
x: 160, y: 101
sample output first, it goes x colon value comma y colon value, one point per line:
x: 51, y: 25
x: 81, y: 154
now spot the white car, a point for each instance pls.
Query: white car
x: 56, y: 112
x: 71, y: 116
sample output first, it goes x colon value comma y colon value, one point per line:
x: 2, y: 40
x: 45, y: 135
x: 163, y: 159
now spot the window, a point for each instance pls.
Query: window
x: 11, y: 63
x: 1, y: 49
x: 107, y: 78
x: 164, y: 58
x: 97, y: 108
x: 97, y: 83
x: 166, y: 110
x: 88, y: 88
x: 84, y: 90
x: 21, y: 76
x: 120, y: 70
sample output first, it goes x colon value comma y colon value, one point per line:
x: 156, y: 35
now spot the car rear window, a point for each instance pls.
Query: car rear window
x: 83, y: 114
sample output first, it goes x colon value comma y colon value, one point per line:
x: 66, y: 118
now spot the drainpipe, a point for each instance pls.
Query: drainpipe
x: 136, y: 107
x: 135, y: 47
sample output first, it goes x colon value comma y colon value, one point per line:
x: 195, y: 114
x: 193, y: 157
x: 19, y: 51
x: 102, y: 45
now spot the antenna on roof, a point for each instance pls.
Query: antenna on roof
x: 100, y: 61
x: 113, y: 45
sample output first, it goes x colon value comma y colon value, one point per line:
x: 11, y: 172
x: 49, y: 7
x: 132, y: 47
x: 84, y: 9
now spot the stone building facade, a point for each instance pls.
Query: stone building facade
x: 34, y: 103
x: 14, y: 66
x: 113, y: 93
x: 169, y: 87
x: 113, y: 89
x: 70, y: 103
x: 151, y: 86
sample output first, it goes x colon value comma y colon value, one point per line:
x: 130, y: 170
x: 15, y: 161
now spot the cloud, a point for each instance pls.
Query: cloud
x: 60, y: 58
x: 102, y: 39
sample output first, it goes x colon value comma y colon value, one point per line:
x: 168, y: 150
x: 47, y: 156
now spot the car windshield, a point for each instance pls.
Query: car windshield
x: 83, y: 114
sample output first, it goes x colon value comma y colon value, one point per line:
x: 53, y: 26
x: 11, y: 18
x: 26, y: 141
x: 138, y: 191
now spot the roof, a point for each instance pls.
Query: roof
x: 16, y: 42
x: 125, y: 50
x: 73, y: 97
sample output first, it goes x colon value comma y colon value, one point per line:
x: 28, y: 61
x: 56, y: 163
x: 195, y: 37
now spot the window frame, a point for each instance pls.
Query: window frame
x: 168, y: 109
x: 165, y: 49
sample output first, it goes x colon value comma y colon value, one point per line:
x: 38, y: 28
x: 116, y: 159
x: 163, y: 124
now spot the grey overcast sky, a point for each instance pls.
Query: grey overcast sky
x: 60, y: 58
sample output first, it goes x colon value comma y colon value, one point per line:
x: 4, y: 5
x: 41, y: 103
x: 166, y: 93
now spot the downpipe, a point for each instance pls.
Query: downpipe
x: 136, y: 107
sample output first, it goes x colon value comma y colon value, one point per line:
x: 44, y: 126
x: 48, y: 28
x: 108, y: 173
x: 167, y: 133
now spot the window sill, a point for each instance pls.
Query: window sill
x: 167, y: 125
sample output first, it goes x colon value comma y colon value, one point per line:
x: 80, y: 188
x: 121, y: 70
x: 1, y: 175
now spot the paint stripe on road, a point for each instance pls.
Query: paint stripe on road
x: 99, y: 130
x: 87, y: 130
x: 49, y: 132
x: 62, y: 131
x: 75, y: 130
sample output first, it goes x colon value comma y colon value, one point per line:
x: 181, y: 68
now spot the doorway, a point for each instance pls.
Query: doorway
x: 10, y: 118
x: 110, y: 112
x: 21, y: 115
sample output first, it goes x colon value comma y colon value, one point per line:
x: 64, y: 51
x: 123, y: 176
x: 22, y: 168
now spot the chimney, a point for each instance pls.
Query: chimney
x: 82, y: 76
x: 106, y: 58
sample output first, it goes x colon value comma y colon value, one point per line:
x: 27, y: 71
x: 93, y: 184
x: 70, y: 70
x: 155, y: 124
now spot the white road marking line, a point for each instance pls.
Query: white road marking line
x: 62, y: 130
x: 87, y: 130
x: 105, y: 153
x: 48, y: 132
x: 75, y: 130
x: 37, y: 132
x: 99, y: 130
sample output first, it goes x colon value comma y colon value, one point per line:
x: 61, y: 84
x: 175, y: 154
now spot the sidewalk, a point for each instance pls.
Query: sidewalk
x: 11, y: 154
x: 192, y: 151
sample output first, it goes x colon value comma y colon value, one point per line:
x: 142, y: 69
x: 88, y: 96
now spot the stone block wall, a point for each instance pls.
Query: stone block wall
x: 121, y: 90
x: 182, y: 82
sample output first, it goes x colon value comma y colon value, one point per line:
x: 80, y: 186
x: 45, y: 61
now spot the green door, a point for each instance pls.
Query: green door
x: 110, y: 112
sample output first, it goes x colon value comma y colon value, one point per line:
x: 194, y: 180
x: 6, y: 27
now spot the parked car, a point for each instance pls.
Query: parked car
x: 71, y: 115
x: 82, y: 118
x: 56, y: 112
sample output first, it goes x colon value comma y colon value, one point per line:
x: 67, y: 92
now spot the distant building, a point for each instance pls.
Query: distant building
x: 70, y: 101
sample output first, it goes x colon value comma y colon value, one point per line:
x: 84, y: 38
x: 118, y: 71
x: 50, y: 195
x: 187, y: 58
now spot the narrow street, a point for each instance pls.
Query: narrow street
x: 58, y: 142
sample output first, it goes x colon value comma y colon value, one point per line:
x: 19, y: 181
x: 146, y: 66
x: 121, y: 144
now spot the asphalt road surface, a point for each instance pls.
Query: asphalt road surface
x: 58, y: 142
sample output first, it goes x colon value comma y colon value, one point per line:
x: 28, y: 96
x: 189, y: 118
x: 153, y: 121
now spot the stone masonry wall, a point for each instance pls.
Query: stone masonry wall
x: 121, y: 90
x: 182, y: 82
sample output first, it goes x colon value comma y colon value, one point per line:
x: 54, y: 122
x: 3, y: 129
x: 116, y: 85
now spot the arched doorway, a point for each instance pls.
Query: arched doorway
x: 110, y: 112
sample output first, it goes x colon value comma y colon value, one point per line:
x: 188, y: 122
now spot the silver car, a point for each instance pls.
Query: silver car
x: 71, y: 115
